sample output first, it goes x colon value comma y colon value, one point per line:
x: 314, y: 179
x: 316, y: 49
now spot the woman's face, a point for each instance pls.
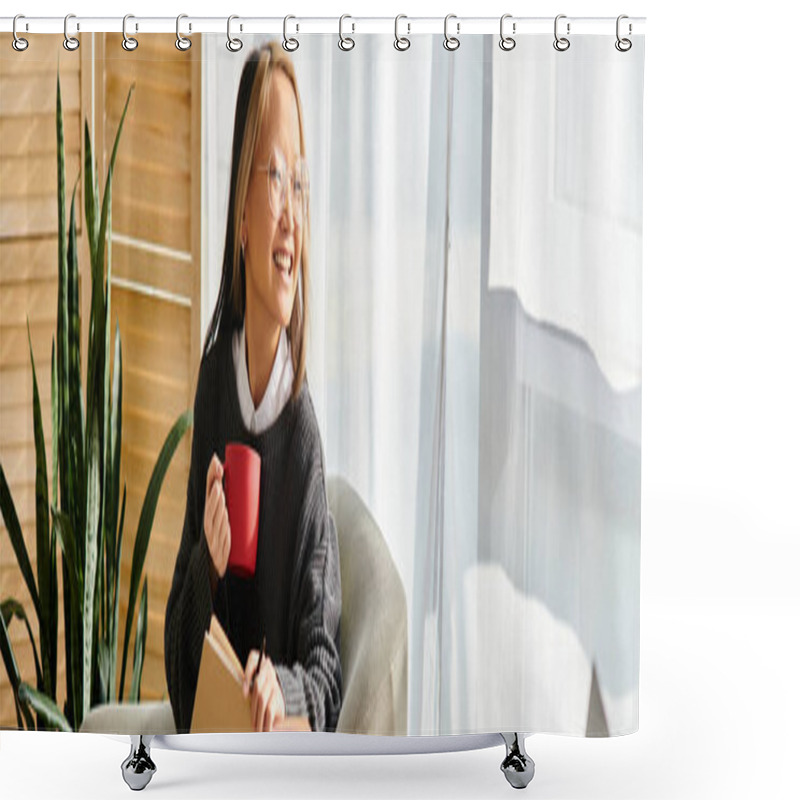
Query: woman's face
x: 273, y: 244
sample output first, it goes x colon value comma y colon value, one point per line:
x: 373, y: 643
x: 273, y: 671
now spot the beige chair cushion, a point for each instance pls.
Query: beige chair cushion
x: 130, y: 718
x: 374, y: 635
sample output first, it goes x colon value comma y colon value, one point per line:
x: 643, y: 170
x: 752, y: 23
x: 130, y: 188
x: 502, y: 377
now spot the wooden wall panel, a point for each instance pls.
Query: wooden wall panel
x: 28, y: 286
x: 28, y: 172
x: 155, y: 294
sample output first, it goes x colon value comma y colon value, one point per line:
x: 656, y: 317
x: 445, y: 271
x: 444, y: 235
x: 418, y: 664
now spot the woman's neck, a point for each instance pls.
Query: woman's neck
x: 261, y: 341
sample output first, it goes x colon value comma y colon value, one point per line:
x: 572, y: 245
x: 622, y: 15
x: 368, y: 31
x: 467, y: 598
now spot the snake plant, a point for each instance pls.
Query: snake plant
x: 80, y: 513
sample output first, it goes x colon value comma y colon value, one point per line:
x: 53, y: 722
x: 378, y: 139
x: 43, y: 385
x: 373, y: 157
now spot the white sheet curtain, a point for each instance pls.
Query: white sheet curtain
x: 542, y: 488
x: 475, y: 353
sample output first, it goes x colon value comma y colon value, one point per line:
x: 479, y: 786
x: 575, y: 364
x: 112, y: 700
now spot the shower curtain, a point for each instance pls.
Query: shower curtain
x: 474, y: 358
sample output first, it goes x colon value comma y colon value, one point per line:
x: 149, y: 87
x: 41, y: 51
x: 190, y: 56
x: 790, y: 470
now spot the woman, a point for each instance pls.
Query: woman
x: 252, y: 388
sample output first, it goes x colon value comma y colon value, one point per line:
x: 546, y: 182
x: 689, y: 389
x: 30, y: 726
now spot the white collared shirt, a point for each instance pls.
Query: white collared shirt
x: 279, y: 388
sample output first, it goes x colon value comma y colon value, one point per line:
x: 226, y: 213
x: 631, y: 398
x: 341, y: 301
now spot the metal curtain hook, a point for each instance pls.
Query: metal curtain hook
x: 345, y: 42
x: 401, y: 42
x: 233, y: 45
x: 561, y: 43
x: 290, y: 44
x: 181, y: 42
x: 451, y: 42
x: 623, y: 45
x: 128, y: 42
x: 18, y: 43
x: 70, y: 42
x: 507, y: 42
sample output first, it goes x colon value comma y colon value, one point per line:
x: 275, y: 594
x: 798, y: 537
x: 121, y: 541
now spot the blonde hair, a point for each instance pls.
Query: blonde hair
x: 251, y: 104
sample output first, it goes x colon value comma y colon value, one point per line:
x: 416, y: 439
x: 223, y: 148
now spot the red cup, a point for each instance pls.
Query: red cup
x: 241, y: 482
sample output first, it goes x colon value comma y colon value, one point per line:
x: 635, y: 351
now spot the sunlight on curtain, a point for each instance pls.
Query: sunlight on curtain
x: 475, y: 358
x: 566, y: 208
x: 543, y: 417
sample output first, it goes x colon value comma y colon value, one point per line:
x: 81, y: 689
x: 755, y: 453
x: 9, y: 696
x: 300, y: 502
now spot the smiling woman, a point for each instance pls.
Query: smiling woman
x: 273, y: 243
x: 252, y: 389
x: 268, y: 129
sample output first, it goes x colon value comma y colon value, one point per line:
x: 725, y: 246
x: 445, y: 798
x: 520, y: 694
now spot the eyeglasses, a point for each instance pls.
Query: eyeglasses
x: 277, y: 179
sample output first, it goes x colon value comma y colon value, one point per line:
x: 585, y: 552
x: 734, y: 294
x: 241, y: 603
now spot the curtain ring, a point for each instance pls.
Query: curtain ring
x: 561, y: 43
x: 70, y: 42
x: 345, y: 42
x: 233, y: 45
x: 290, y: 44
x: 18, y: 43
x: 128, y: 42
x: 401, y: 42
x: 507, y: 42
x: 451, y: 42
x: 181, y: 42
x: 623, y: 45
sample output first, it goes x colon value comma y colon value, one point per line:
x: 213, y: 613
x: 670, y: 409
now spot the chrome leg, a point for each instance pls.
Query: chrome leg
x: 518, y: 766
x: 138, y: 768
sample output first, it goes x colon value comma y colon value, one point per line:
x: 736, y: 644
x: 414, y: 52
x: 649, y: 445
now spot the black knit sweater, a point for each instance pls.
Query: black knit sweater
x: 295, y: 597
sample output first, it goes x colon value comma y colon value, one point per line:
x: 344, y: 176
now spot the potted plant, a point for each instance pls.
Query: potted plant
x: 81, y: 511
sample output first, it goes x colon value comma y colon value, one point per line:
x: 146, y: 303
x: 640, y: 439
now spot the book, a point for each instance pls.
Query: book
x: 219, y: 706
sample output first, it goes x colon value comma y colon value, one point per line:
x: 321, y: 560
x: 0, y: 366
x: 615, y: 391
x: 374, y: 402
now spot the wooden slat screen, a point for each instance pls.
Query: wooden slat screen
x: 155, y: 297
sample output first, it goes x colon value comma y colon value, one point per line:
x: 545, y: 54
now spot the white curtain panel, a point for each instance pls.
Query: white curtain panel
x: 540, y: 579
x: 475, y: 360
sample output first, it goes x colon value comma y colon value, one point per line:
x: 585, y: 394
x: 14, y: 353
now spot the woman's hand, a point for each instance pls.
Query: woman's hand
x: 215, y: 518
x: 267, y: 706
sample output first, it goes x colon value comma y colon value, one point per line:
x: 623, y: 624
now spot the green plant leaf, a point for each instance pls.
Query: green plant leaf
x: 115, y: 607
x: 90, y: 193
x: 42, y: 529
x: 60, y: 396
x: 66, y: 539
x: 103, y: 671
x: 146, y: 516
x: 54, y: 415
x: 99, y: 622
x: 90, y: 562
x: 44, y: 706
x: 69, y: 629
x: 116, y: 428
x: 101, y: 237
x: 13, y: 675
x: 72, y: 572
x: 139, y: 648
x: 53, y: 610
x: 97, y: 386
x: 11, y: 521
x: 105, y: 442
x: 105, y: 445
x: 98, y: 353
x: 13, y: 608
x: 75, y: 420
x: 110, y: 516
